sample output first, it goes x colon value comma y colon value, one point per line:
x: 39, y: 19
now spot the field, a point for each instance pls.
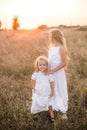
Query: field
x: 18, y: 51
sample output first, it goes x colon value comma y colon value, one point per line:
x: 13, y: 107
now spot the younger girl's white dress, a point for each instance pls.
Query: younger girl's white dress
x: 40, y: 98
x: 60, y: 101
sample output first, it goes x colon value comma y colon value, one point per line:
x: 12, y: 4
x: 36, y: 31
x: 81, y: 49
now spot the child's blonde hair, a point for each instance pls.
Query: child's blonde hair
x: 39, y: 59
x: 57, y: 37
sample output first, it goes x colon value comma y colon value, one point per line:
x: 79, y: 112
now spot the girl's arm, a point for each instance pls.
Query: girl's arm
x: 63, y: 61
x: 33, y: 82
x: 52, y: 88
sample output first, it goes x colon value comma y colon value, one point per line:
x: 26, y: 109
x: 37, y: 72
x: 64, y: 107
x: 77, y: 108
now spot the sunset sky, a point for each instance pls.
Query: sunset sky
x: 33, y: 13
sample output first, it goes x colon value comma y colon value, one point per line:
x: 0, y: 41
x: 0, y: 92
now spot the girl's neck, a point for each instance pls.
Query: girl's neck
x: 55, y: 44
x: 44, y: 72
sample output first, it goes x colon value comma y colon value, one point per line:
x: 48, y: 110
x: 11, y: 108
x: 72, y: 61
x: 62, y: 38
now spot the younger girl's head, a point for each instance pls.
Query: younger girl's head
x: 41, y: 64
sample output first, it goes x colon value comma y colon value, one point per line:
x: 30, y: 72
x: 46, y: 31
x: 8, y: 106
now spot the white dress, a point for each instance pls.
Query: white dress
x: 61, y: 94
x: 40, y: 98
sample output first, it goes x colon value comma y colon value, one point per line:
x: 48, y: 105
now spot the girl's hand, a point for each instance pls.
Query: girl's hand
x: 51, y: 95
x: 33, y: 90
x: 49, y: 72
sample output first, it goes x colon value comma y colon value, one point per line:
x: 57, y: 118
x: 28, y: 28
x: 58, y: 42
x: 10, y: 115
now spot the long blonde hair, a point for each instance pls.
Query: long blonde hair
x: 38, y: 59
x: 57, y: 37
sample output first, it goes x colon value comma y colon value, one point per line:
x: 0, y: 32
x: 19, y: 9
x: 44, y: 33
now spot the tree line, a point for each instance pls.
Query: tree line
x: 15, y: 23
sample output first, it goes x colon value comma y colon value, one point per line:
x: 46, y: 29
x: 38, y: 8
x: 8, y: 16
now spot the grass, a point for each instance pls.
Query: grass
x: 18, y: 51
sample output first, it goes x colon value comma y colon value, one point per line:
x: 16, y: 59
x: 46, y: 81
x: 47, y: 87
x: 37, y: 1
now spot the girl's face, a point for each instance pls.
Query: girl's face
x: 42, y: 66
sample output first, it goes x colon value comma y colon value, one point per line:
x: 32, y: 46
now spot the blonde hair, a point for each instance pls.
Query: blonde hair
x: 39, y: 59
x: 57, y: 37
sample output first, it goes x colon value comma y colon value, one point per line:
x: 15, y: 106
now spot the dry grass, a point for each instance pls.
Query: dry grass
x: 18, y: 51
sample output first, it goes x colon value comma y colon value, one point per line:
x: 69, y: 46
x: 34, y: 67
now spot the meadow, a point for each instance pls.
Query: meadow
x: 18, y: 51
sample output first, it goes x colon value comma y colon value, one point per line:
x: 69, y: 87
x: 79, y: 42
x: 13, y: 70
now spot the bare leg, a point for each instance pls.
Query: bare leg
x: 64, y: 116
x: 51, y: 114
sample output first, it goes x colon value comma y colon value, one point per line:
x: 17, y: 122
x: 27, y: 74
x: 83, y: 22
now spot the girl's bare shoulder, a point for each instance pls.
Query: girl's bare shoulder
x: 62, y: 49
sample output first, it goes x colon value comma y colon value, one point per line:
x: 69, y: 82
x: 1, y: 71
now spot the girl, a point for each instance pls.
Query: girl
x: 57, y: 58
x: 42, y: 88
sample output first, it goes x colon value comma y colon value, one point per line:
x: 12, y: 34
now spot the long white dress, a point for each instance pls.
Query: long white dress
x: 61, y: 94
x: 40, y: 98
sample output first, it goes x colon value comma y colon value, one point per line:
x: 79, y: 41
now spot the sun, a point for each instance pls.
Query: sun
x: 26, y: 22
x: 30, y: 13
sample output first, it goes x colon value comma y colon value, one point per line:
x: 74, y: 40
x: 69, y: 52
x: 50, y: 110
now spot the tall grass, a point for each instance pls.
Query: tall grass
x: 18, y: 51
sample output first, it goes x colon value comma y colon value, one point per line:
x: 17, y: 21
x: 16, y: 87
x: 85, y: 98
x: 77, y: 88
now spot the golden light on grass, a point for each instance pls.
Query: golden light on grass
x: 18, y: 51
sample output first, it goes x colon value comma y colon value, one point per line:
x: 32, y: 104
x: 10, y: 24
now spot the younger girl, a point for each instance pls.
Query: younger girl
x: 57, y: 58
x: 42, y: 88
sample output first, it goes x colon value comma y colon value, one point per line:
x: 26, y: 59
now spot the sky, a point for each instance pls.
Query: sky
x: 32, y: 13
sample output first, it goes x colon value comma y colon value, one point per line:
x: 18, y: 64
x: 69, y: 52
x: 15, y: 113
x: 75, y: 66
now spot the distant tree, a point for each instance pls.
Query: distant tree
x: 62, y: 26
x: 42, y: 27
x: 15, y: 24
x: 0, y: 23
